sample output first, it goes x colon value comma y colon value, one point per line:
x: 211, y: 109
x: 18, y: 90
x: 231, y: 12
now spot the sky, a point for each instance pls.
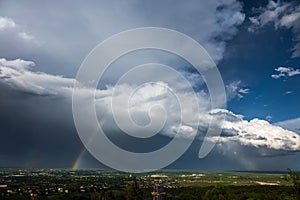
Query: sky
x: 254, y: 44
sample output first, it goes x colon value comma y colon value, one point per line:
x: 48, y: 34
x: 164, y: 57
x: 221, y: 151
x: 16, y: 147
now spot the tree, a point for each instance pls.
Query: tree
x: 219, y: 192
x: 109, y: 195
x: 295, y: 178
x: 134, y: 192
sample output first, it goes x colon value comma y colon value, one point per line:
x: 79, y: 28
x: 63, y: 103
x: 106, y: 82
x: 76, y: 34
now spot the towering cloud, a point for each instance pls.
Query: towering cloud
x: 254, y: 133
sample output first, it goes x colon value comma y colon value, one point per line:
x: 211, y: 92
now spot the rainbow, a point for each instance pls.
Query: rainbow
x: 76, y: 164
x: 33, y: 162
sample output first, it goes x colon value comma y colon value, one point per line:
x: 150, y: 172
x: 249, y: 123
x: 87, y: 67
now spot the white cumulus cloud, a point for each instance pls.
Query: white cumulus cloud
x: 258, y: 133
x: 281, y: 15
x: 285, y: 72
x: 6, y: 22
x: 26, y: 36
x: 18, y: 64
x: 235, y: 90
x: 16, y: 73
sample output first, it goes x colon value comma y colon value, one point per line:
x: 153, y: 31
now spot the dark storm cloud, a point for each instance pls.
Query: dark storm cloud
x: 36, y: 124
x: 37, y: 127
